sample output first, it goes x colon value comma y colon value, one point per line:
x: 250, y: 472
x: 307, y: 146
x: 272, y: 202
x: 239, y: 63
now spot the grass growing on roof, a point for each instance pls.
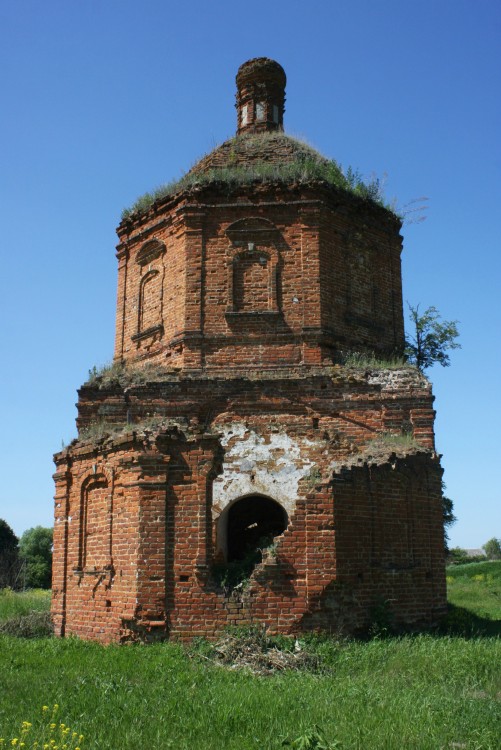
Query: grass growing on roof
x: 373, y: 361
x: 307, y: 166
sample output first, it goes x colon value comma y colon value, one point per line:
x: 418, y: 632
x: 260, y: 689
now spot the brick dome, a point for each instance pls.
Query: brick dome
x: 252, y: 149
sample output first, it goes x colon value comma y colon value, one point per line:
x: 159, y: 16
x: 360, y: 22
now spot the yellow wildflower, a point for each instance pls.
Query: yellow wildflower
x: 14, y: 742
x: 45, y: 708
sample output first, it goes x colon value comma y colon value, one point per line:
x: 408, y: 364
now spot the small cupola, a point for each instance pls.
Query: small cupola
x: 260, y: 96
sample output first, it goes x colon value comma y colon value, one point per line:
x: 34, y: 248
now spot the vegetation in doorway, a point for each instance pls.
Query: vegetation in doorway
x: 235, y: 575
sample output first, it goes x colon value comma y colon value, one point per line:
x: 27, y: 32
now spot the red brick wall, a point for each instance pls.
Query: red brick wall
x: 322, y: 274
x: 357, y: 536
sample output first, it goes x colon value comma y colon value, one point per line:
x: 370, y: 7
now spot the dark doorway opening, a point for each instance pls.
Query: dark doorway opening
x: 253, y: 523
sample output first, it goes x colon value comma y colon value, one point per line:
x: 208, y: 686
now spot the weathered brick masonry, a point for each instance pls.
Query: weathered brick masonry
x: 228, y: 421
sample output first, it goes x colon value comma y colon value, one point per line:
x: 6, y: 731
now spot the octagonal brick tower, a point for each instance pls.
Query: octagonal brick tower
x: 229, y: 468
x: 256, y: 265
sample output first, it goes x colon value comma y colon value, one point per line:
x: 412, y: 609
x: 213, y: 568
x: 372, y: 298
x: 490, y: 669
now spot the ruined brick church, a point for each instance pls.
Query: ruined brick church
x: 236, y: 464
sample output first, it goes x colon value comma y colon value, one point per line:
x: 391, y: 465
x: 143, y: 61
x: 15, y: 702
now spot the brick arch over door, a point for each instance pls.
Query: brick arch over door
x: 248, y: 524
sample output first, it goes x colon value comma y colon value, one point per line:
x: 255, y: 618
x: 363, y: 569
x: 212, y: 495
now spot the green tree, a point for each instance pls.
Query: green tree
x: 9, y: 555
x: 35, y: 548
x: 430, y: 339
x: 492, y: 549
x: 458, y: 556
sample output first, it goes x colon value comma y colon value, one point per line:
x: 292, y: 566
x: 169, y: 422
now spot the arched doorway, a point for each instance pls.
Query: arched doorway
x: 252, y: 524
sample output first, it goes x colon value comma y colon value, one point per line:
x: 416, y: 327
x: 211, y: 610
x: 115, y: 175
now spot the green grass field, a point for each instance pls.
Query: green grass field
x: 477, y: 588
x: 412, y: 693
x: 14, y: 604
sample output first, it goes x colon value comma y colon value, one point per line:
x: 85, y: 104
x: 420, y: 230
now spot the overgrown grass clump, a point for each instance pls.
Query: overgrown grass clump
x: 25, y: 614
x: 385, y: 441
x: 307, y: 166
x: 119, y: 373
x: 19, y: 603
x: 373, y: 361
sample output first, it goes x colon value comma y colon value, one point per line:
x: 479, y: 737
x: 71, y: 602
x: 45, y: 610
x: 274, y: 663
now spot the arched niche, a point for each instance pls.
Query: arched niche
x: 94, y: 546
x: 253, y: 267
x: 150, y: 291
x: 150, y: 301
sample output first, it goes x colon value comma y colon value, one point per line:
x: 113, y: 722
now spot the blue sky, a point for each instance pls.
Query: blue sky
x: 103, y: 100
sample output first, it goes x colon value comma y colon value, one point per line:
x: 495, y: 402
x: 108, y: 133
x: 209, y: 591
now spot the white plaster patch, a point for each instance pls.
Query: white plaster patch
x: 269, y: 465
x: 394, y: 380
